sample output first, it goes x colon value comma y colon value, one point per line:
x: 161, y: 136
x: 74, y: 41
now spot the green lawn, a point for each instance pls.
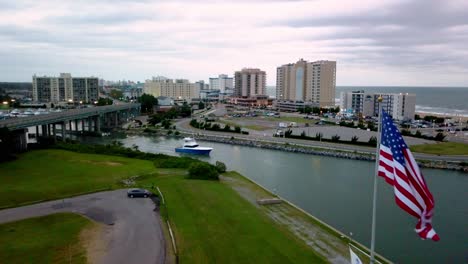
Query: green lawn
x: 48, y: 239
x: 52, y: 174
x: 252, y: 127
x: 444, y: 148
x: 213, y: 224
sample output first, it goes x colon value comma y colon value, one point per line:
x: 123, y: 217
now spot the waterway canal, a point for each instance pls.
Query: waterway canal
x: 339, y: 192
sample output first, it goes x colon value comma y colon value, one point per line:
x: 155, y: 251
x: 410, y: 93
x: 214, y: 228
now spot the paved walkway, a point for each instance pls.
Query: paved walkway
x: 136, y: 235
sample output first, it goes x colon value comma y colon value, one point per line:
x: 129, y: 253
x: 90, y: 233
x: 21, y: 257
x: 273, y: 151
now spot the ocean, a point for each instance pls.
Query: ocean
x: 451, y: 101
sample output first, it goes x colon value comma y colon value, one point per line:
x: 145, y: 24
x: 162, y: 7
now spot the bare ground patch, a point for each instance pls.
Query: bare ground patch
x: 95, y: 240
x: 105, y: 163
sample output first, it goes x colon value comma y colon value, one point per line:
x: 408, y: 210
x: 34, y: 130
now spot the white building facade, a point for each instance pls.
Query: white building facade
x: 401, y: 106
x: 178, y: 89
x: 223, y: 83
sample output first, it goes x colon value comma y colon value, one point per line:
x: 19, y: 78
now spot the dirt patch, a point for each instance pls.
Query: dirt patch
x: 95, y: 239
x: 105, y: 163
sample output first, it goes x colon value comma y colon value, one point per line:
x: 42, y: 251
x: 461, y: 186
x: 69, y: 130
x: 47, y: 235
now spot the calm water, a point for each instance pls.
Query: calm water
x: 437, y: 100
x: 339, y: 192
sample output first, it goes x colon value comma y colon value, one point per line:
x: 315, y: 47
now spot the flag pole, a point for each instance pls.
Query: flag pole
x: 374, y: 202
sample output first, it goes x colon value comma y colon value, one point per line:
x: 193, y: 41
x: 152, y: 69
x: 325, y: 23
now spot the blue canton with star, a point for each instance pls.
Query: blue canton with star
x: 391, y: 138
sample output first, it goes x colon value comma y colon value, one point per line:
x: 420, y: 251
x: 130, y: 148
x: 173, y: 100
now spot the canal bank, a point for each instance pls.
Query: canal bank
x: 295, y: 147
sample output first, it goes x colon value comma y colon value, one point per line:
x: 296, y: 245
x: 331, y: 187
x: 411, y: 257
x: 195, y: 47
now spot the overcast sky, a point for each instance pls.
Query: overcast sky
x: 375, y: 42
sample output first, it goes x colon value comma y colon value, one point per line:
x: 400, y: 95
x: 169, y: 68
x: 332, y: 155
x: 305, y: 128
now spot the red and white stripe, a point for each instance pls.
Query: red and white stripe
x: 410, y: 188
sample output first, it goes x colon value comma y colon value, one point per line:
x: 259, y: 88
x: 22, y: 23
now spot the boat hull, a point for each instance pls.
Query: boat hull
x: 193, y: 151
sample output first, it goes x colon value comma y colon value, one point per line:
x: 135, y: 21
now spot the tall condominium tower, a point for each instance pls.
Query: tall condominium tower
x: 303, y: 81
x: 180, y: 89
x: 249, y: 82
x: 222, y: 83
x: 65, y: 88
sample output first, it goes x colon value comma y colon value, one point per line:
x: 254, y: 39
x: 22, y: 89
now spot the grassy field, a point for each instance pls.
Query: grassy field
x: 52, y: 174
x: 48, y: 239
x: 252, y: 127
x: 444, y: 148
x: 213, y: 224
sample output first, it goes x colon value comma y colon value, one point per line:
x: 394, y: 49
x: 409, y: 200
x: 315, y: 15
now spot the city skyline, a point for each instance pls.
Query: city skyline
x: 385, y: 43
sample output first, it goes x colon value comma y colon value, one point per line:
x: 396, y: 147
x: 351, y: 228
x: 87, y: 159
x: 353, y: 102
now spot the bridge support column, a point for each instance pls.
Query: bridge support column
x: 90, y: 121
x: 76, y: 125
x: 64, y: 130
x: 70, y: 127
x: 37, y: 133
x: 54, y: 126
x: 20, y: 141
x: 116, y: 119
x: 49, y: 131
x: 97, y: 123
x: 43, y: 130
x: 82, y: 125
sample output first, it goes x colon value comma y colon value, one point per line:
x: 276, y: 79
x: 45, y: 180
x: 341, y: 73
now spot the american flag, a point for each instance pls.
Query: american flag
x: 399, y: 168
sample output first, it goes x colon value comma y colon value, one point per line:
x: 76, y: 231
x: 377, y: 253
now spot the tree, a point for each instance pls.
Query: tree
x: 220, y: 167
x: 440, y: 136
x: 237, y: 129
x: 373, y: 141
x: 185, y: 110
x: 335, y: 138
x: 354, y: 139
x: 201, y: 105
x: 147, y: 102
x: 203, y: 171
x: 104, y: 101
x: 116, y: 94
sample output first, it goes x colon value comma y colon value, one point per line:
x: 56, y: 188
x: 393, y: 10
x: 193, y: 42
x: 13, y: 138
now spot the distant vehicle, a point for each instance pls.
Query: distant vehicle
x: 292, y: 124
x: 279, y: 133
x: 138, y: 193
x: 282, y: 125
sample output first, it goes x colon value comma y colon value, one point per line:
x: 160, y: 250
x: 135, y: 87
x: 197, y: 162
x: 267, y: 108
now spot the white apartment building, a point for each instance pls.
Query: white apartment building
x: 401, y: 106
x: 249, y: 82
x: 313, y: 82
x: 223, y: 83
x: 178, y: 89
x: 65, y: 88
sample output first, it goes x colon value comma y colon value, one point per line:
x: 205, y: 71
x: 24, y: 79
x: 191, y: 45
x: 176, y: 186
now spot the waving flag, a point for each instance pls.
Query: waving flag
x: 399, y: 168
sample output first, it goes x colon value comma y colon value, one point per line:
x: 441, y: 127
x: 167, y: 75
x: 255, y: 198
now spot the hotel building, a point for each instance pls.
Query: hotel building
x: 249, y: 82
x: 306, y: 83
x: 65, y: 88
x: 400, y: 106
x: 178, y: 89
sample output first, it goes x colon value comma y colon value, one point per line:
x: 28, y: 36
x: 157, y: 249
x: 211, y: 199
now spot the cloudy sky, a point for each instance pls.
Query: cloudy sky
x: 375, y: 42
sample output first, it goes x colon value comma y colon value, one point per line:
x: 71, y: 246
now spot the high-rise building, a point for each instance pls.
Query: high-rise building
x: 65, y: 88
x: 223, y: 83
x: 311, y: 82
x: 178, y: 89
x: 401, y: 106
x: 249, y: 82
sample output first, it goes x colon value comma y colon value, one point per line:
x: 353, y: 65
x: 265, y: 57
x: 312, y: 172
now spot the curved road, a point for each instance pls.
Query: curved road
x: 136, y: 235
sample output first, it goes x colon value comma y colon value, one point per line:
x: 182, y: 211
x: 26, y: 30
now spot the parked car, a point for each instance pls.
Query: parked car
x: 135, y: 192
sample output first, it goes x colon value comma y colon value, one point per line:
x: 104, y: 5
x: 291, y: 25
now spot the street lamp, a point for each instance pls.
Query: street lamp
x: 5, y: 102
